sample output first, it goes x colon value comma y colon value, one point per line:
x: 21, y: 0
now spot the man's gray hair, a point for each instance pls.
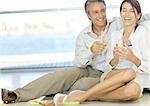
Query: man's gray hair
x: 89, y: 1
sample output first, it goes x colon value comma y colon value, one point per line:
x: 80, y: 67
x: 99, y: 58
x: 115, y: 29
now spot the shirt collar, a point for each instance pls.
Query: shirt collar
x: 89, y: 29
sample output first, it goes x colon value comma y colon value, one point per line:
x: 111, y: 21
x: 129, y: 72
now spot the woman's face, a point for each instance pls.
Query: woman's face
x: 129, y: 15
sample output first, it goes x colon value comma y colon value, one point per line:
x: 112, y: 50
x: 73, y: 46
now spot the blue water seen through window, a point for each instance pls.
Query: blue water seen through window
x: 37, y: 44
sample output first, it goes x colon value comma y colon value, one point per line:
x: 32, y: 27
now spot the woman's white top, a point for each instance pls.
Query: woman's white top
x: 140, y: 40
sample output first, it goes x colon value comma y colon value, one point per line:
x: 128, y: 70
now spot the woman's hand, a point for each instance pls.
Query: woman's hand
x: 123, y: 52
x: 127, y: 54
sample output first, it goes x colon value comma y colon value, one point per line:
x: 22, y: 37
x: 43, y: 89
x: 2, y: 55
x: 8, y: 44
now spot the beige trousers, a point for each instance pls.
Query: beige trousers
x: 70, y: 78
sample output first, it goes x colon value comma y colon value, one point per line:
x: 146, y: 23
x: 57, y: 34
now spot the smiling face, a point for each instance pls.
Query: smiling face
x: 97, y: 14
x: 129, y: 14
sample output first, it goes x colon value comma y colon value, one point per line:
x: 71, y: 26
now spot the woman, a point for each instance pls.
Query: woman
x: 128, y: 54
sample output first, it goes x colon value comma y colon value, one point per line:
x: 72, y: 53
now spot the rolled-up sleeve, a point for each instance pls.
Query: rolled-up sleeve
x: 143, y: 50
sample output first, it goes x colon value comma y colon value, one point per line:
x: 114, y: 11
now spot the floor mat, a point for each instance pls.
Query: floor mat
x: 31, y: 103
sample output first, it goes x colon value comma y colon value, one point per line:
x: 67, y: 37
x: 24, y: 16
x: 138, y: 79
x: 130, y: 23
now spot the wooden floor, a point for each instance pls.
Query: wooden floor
x: 18, y: 79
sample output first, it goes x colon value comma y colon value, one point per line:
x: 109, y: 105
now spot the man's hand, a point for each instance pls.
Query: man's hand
x: 98, y: 47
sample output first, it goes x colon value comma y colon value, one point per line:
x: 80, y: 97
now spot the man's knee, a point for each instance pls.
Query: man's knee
x: 85, y: 83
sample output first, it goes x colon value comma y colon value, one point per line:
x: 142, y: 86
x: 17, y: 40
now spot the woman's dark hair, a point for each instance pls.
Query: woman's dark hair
x: 135, y: 4
x: 89, y: 1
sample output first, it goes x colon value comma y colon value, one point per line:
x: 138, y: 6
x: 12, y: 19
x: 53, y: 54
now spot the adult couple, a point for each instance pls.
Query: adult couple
x: 107, y: 60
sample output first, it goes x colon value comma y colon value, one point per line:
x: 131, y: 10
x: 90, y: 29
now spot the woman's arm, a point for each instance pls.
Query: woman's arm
x: 135, y: 60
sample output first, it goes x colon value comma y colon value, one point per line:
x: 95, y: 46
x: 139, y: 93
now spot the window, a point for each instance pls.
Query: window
x: 39, y: 33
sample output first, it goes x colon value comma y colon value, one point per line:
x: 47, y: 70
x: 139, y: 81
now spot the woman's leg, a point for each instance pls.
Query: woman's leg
x: 111, y: 83
x: 130, y: 91
x: 110, y: 75
x: 114, y: 82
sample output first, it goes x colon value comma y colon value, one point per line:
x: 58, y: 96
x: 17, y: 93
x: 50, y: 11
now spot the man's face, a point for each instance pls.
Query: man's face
x: 97, y: 14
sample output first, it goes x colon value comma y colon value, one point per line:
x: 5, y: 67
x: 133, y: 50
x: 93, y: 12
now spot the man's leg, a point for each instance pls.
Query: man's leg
x: 85, y: 83
x: 51, y: 83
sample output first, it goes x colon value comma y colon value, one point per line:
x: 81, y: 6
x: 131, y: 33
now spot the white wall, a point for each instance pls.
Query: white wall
x: 145, y: 6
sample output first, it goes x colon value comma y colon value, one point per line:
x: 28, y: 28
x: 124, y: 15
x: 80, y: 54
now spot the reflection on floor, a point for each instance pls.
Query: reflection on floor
x: 18, y: 79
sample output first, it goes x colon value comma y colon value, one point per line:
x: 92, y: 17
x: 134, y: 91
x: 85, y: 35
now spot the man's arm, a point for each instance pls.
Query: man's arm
x: 145, y: 17
x: 117, y: 22
x: 83, y: 54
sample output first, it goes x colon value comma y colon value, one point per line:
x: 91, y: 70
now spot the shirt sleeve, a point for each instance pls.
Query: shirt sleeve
x: 143, y: 48
x: 83, y: 54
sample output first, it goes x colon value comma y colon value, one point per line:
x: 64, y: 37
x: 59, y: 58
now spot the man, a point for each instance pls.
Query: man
x: 91, y: 48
